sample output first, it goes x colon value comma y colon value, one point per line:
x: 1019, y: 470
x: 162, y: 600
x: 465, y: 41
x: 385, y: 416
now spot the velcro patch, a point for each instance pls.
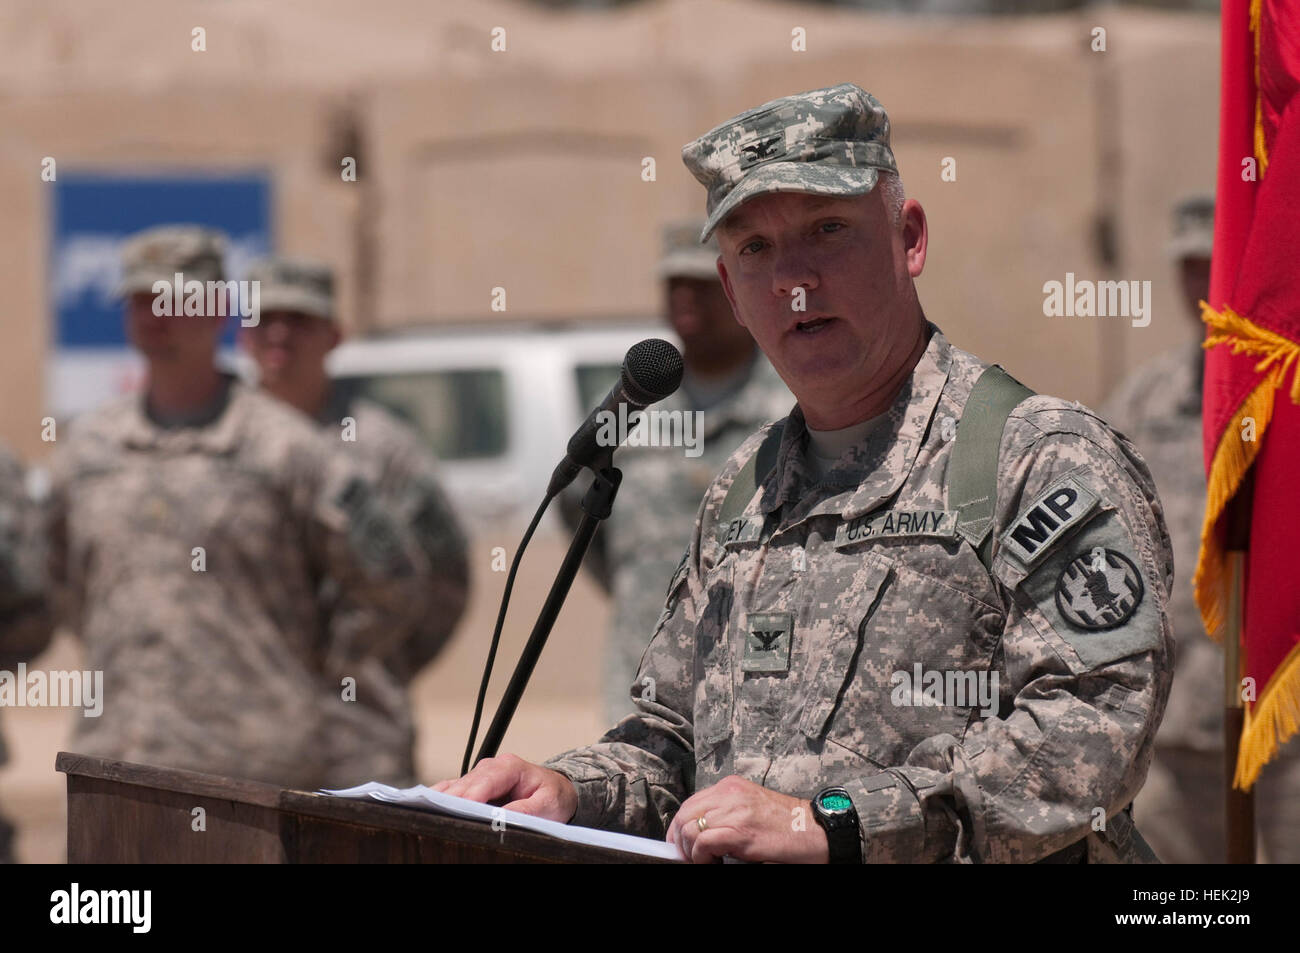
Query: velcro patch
x: 768, y: 639
x: 935, y: 523
x: 1047, y: 520
x: 1099, y: 589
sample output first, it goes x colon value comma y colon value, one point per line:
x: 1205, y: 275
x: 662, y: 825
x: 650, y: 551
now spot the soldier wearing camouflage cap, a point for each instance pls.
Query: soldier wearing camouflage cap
x: 298, y: 328
x: 927, y: 611
x: 25, y: 625
x: 1158, y: 406
x: 159, y: 254
x: 226, y: 572
x: 734, y: 389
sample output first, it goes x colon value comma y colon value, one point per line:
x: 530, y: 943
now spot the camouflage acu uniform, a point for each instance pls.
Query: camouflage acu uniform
x: 789, y: 631
x: 869, y: 572
x: 24, y: 618
x: 396, y: 460
x: 405, y: 476
x: 1182, y: 808
x: 191, y: 560
x: 236, y: 669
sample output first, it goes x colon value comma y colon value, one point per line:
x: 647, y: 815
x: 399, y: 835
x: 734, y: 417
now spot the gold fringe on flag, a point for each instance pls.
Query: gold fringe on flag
x: 1276, y: 715
x: 1269, y: 722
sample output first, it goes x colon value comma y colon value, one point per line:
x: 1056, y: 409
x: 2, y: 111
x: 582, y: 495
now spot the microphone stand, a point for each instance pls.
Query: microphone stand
x: 596, y: 506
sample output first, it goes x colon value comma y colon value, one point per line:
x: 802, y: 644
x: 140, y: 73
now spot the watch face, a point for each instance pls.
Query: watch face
x: 836, y: 803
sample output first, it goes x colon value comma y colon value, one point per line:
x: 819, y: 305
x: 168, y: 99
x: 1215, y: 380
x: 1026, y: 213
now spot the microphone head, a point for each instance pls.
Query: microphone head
x: 652, y: 370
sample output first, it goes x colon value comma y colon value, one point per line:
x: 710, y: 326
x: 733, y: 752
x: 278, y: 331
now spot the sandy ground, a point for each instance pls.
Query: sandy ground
x: 560, y: 710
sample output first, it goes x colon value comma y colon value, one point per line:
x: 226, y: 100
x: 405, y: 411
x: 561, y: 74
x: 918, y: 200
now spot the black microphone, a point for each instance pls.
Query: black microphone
x: 652, y: 370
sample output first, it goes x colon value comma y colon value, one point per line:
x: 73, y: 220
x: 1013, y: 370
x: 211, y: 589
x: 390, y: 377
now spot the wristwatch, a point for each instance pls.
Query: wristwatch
x: 835, y: 812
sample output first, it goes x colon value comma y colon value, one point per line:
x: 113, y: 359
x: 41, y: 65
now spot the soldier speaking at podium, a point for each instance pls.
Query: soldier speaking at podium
x: 923, y: 618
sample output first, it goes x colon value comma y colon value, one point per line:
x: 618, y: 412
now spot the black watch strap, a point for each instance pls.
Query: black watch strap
x: 834, y: 811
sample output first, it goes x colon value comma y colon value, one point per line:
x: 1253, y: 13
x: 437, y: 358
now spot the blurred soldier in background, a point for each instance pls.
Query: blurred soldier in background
x: 193, y: 530
x: 298, y: 328
x: 729, y: 380
x: 1181, y: 809
x: 24, y: 617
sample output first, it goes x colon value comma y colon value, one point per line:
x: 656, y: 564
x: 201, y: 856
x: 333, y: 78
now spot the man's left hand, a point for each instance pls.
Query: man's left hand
x: 748, y: 822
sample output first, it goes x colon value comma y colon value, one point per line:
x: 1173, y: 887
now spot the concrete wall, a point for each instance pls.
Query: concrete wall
x: 522, y: 169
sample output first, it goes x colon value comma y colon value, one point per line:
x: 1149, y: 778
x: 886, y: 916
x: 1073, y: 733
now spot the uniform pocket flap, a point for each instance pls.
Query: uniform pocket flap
x: 827, y: 686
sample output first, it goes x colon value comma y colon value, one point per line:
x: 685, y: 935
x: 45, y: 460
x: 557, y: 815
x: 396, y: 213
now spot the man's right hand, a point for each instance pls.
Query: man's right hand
x: 526, y: 787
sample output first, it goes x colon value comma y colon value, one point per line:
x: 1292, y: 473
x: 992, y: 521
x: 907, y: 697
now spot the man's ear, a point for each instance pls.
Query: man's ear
x: 915, y: 236
x: 335, y: 336
x: 731, y: 295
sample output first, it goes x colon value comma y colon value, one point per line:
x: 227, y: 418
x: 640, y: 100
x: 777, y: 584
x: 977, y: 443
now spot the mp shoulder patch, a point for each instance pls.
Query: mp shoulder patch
x: 1093, y: 595
x: 1046, y: 521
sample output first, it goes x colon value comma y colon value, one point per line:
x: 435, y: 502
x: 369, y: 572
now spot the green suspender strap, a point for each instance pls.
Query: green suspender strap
x: 749, y: 479
x: 973, y: 468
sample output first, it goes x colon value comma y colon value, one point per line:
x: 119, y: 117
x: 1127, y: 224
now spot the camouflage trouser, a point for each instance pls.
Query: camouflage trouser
x: 1180, y: 809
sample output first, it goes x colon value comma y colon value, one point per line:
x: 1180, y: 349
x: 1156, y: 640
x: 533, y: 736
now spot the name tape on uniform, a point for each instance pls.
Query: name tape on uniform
x: 937, y: 523
x: 1054, y: 512
x: 741, y: 530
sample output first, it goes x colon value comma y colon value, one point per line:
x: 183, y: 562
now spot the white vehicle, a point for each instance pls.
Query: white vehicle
x: 497, y: 405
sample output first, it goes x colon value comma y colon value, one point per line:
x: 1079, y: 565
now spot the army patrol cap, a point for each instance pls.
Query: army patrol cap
x: 294, y: 284
x: 1193, y: 235
x: 685, y: 257
x: 832, y: 141
x: 157, y: 254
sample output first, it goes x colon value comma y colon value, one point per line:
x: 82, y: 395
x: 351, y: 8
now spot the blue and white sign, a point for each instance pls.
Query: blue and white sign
x: 93, y: 215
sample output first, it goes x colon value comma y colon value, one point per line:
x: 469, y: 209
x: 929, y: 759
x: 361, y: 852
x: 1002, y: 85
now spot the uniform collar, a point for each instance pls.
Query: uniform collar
x: 219, y: 437
x: 875, y: 470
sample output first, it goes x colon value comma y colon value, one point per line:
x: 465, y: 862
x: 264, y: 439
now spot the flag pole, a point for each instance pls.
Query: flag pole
x: 1239, y: 806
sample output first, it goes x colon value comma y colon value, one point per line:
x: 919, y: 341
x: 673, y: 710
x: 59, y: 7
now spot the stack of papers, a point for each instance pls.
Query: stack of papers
x: 427, y: 799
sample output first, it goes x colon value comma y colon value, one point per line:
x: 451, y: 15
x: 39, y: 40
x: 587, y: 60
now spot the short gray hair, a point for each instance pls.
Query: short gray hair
x: 890, y: 187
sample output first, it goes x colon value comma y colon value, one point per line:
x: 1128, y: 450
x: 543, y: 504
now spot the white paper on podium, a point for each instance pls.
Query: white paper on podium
x: 427, y: 799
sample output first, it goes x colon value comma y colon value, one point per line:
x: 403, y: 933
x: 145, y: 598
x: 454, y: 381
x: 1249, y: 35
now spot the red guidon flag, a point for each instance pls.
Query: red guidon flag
x: 1252, y: 392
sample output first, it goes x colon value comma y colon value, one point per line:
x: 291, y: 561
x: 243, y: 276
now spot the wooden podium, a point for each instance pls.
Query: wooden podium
x: 122, y: 813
